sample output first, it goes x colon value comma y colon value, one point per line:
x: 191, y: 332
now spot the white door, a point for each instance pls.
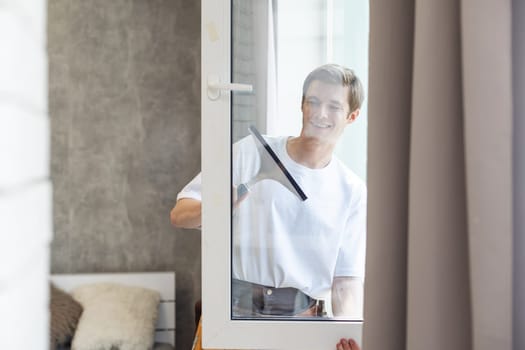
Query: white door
x: 255, y: 56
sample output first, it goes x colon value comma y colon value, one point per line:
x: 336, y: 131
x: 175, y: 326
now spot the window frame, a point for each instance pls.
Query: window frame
x: 219, y: 330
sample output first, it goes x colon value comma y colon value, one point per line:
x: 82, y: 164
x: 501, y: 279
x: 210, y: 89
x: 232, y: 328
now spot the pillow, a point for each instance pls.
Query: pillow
x: 115, y: 316
x: 163, y: 346
x: 64, y: 314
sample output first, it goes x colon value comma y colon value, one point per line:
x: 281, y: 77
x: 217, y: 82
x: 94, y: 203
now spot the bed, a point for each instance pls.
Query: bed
x: 145, y: 303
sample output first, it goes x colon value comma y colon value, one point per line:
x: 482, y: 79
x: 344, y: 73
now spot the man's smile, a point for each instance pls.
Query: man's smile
x: 321, y: 124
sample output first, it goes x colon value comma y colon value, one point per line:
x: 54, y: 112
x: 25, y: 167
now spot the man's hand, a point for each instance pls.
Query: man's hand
x: 347, y: 297
x: 239, y: 193
x: 347, y: 344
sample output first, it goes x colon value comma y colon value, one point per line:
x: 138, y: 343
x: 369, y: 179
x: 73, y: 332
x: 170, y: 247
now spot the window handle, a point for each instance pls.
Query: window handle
x: 215, y: 86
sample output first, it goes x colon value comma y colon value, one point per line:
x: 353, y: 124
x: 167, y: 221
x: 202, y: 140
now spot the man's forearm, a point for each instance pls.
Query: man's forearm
x: 347, y: 297
x: 186, y: 213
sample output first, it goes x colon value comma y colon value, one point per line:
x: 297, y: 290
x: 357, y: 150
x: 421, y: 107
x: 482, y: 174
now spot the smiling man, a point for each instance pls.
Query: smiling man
x: 289, y: 255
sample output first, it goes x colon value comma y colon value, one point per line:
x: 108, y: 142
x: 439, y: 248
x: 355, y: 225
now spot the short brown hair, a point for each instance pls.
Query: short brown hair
x: 338, y: 75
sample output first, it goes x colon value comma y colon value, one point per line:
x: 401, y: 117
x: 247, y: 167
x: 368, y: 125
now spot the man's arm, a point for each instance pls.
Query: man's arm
x: 186, y: 213
x: 347, y: 297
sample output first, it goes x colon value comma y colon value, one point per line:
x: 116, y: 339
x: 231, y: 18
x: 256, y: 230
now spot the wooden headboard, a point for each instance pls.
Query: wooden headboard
x: 163, y: 282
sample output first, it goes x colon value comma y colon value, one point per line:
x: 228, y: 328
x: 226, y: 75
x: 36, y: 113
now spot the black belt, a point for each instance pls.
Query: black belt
x: 267, y: 300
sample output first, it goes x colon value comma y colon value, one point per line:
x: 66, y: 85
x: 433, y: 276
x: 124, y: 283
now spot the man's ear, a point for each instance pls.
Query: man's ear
x: 352, y: 116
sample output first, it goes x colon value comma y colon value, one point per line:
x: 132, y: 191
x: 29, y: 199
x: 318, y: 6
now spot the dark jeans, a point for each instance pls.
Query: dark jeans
x: 255, y: 300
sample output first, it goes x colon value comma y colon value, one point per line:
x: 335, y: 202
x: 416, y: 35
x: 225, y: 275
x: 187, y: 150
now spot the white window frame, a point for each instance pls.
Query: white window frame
x: 219, y: 331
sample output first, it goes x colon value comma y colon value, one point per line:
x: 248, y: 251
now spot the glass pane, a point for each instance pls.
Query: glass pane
x: 299, y: 159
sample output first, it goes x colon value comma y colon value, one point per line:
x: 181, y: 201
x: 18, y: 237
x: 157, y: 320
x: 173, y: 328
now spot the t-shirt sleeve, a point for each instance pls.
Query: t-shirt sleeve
x: 351, y: 257
x: 243, y: 149
x: 192, y: 190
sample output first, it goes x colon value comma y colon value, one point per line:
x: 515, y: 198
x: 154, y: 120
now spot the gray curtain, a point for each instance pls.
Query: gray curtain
x: 518, y: 76
x: 439, y: 259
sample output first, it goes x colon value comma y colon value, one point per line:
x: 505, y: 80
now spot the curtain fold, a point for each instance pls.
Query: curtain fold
x: 487, y: 95
x: 439, y: 259
x: 389, y: 106
x: 438, y: 279
x: 518, y: 65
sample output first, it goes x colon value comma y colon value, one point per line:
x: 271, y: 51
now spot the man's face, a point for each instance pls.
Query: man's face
x: 326, y: 111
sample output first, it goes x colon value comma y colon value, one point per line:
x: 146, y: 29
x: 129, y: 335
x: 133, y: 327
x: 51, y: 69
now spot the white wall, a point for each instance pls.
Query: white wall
x: 25, y: 189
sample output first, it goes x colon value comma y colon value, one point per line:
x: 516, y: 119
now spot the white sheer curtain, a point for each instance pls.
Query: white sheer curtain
x: 26, y: 220
x: 440, y: 225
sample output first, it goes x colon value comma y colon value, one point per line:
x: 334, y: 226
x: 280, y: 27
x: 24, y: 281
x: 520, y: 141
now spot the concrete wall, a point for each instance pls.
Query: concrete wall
x: 124, y: 103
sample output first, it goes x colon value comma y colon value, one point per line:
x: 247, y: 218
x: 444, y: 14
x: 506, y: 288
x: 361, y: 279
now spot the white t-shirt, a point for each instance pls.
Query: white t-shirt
x: 279, y: 240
